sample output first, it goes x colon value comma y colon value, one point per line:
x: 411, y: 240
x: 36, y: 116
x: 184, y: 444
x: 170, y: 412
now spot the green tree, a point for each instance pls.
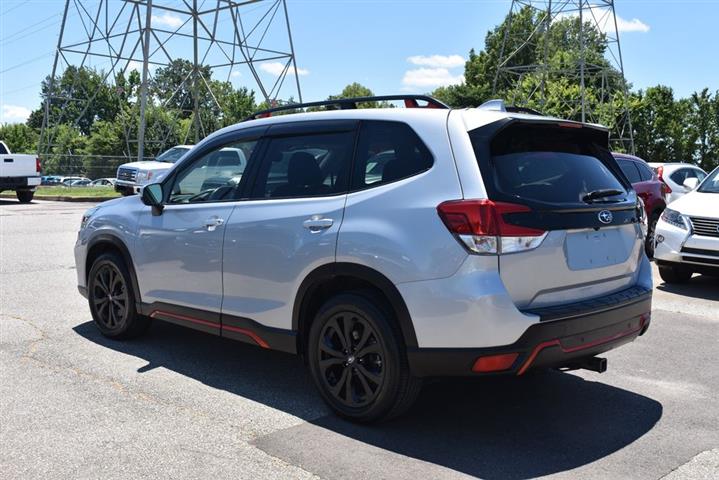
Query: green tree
x: 78, y: 97
x: 704, y: 123
x: 19, y: 138
x: 174, y: 87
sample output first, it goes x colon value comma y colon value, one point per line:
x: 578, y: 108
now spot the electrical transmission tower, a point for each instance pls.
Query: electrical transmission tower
x: 246, y: 41
x: 528, y: 66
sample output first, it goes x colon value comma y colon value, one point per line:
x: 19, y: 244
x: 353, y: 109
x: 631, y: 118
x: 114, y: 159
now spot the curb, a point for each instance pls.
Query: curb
x: 61, y: 198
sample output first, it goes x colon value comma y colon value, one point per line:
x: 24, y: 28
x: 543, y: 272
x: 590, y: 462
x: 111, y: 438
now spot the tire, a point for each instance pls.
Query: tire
x: 675, y: 273
x: 25, y: 196
x: 369, y: 380
x: 651, y: 230
x: 112, y: 299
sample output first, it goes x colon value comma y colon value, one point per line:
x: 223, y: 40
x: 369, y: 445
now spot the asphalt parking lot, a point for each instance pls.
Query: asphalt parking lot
x: 181, y: 404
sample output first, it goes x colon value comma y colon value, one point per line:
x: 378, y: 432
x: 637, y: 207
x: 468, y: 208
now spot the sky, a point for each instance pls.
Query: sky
x: 390, y: 46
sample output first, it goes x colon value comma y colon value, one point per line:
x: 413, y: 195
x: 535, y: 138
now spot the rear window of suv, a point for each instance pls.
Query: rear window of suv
x: 547, y: 163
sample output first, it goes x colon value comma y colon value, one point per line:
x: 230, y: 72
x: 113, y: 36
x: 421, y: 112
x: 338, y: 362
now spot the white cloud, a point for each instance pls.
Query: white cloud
x: 276, y: 68
x: 437, y: 61
x: 14, y: 114
x: 235, y: 74
x: 603, y: 20
x: 135, y: 65
x: 167, y: 20
x: 633, y: 25
x: 430, y: 77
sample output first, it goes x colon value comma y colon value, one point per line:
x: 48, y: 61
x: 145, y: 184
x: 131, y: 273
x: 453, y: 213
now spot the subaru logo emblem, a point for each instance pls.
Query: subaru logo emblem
x: 605, y: 216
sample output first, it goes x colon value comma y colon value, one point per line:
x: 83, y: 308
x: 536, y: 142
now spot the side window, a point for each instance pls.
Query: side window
x: 630, y: 170
x: 645, y: 172
x: 214, y: 176
x: 680, y: 175
x: 386, y: 152
x: 305, y: 166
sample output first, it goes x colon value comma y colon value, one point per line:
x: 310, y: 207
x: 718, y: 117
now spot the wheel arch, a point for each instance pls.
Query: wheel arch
x: 334, y: 278
x: 104, y: 243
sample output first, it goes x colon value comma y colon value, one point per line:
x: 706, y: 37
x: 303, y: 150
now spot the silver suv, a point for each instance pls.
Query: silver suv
x: 384, y: 246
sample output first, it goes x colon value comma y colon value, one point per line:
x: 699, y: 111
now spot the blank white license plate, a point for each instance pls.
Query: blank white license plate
x: 595, y: 249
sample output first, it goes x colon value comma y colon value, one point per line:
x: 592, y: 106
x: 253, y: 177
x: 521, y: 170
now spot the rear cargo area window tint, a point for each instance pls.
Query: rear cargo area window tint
x: 552, y: 164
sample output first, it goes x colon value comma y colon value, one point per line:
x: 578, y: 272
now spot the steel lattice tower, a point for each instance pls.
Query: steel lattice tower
x: 528, y: 54
x: 234, y: 38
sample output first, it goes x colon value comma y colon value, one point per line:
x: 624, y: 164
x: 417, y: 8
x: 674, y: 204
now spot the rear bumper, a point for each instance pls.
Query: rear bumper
x: 563, y: 336
x: 19, y: 183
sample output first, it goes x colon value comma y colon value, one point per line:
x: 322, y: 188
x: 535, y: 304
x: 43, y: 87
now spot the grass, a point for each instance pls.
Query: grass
x: 100, y: 192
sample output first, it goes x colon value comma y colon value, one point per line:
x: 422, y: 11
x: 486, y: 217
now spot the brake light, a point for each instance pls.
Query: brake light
x: 666, y: 189
x: 38, y: 167
x: 481, y: 226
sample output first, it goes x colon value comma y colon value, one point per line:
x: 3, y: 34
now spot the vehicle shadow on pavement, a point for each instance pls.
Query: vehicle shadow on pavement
x: 700, y: 286
x: 512, y: 428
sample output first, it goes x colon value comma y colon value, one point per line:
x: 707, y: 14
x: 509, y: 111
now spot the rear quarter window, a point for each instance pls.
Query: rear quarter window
x: 387, y: 152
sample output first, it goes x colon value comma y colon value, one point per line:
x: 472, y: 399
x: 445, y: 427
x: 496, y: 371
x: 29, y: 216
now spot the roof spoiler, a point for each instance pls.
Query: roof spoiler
x: 498, y: 105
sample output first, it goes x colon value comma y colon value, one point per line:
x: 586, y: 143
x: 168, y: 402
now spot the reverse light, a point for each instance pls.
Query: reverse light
x: 480, y: 225
x: 675, y: 218
x: 494, y: 363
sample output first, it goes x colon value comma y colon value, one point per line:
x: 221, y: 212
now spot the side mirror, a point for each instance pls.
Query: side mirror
x: 152, y: 196
x: 690, y: 183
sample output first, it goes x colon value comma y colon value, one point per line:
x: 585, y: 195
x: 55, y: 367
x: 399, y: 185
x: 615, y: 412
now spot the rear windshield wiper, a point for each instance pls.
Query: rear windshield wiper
x: 596, y: 194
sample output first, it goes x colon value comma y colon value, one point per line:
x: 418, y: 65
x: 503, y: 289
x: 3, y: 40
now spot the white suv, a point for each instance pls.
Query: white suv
x: 687, y: 234
x: 384, y: 246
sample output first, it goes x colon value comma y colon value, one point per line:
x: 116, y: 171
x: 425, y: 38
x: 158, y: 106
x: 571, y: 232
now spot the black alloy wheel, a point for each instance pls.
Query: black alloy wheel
x: 110, y: 296
x: 358, y: 360
x: 112, y: 299
x: 351, y: 359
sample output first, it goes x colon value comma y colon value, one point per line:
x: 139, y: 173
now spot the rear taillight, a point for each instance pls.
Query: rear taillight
x: 481, y: 226
x: 38, y: 167
x: 666, y: 190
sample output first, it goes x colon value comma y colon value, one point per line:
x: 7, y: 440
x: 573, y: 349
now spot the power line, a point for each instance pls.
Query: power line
x: 15, y: 7
x: 18, y: 65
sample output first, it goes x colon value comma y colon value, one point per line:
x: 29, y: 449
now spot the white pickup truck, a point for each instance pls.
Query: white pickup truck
x: 131, y: 177
x: 19, y: 172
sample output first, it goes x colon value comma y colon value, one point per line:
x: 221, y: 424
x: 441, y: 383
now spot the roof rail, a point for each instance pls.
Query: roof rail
x: 410, y: 101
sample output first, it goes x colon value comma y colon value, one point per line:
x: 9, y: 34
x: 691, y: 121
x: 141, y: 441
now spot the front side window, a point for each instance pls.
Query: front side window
x: 172, y: 155
x: 313, y: 165
x: 215, y: 176
x: 386, y: 152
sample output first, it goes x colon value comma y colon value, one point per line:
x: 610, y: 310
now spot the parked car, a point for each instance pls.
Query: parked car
x: 80, y: 183
x: 103, y: 182
x: 687, y: 238
x: 491, y: 242
x: 673, y: 175
x: 131, y: 177
x: 649, y: 188
x: 68, y: 181
x: 19, y: 172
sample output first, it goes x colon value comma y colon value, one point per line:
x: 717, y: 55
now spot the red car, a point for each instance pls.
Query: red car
x: 649, y: 188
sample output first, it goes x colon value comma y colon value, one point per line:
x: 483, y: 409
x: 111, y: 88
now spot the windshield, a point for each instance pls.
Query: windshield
x: 172, y: 155
x: 711, y: 183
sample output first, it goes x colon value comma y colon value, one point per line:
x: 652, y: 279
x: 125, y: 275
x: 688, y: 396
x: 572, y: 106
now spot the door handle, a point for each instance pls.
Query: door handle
x: 212, y: 223
x: 317, y: 223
